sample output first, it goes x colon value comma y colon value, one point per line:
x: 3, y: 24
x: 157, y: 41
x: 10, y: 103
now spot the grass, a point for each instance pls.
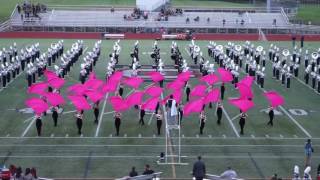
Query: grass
x: 309, y: 13
x: 90, y: 157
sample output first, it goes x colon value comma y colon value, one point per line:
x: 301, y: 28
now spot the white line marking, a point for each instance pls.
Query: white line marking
x: 230, y: 122
x: 29, y: 119
x: 68, y: 112
x: 150, y: 120
x: 12, y: 80
x: 28, y: 127
x: 108, y: 112
x: 191, y: 156
x: 101, y: 115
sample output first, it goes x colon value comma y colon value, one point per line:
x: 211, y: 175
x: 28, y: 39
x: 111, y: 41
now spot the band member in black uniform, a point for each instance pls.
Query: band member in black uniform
x: 188, y: 90
x: 120, y: 91
x: 117, y: 122
x: 219, y: 112
x: 180, y: 112
x: 142, y: 114
x: 55, y: 115
x: 242, y: 122
x: 202, y: 121
x: 159, y: 117
x: 79, y: 117
x: 222, y: 90
x: 96, y: 111
x: 38, y: 125
x: 271, y: 116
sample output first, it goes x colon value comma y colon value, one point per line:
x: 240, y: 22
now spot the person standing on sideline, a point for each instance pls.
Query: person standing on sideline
x: 202, y: 121
x: 271, y: 116
x: 55, y: 115
x: 308, y: 150
x: 133, y: 172
x: 38, y: 124
x: 302, y: 41
x: 159, y: 117
x: 96, y: 112
x: 293, y: 40
x: 219, y: 112
x: 199, y: 169
x: 222, y: 89
x: 180, y: 112
x: 148, y: 170
x: 242, y: 122
x: 117, y: 122
x: 79, y: 117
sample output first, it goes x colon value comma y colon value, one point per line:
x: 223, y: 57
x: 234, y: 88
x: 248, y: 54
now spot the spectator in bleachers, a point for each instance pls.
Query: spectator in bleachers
x: 133, y: 172
x: 274, y: 23
x: 242, y: 22
x: 187, y: 20
x: 27, y: 175
x: 33, y: 171
x: 208, y: 20
x: 199, y: 169
x: 229, y: 174
x: 148, y: 170
x: 18, y: 174
x: 112, y: 9
x: 223, y: 22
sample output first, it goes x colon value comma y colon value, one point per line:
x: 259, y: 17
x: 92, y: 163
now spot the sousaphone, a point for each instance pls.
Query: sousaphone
x: 238, y: 48
x: 219, y: 48
x: 315, y: 55
x: 259, y: 49
x: 285, y: 52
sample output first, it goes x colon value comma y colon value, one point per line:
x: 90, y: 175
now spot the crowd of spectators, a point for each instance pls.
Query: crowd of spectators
x: 136, y: 14
x: 27, y: 10
x: 16, y: 173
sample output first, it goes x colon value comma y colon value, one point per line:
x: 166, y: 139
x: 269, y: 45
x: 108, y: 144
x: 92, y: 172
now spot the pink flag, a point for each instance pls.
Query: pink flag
x: 245, y: 91
x: 133, y: 82
x: 243, y: 104
x: 248, y: 80
x: 116, y: 77
x: 212, y: 96
x: 118, y: 104
x: 37, y: 105
x: 80, y: 102
x: 225, y: 75
x: 193, y: 107
x: 92, y: 75
x: 199, y: 90
x: 210, y: 79
x: 77, y: 89
x: 177, y: 95
x: 111, y: 86
x: 135, y: 98
x: 156, y: 76
x: 150, y: 104
x: 184, y: 76
x: 153, y: 91
x: 274, y: 98
x: 38, y: 88
x: 94, y: 95
x: 54, y: 99
x: 56, y: 83
x: 177, y: 84
x: 93, y: 83
x: 50, y: 75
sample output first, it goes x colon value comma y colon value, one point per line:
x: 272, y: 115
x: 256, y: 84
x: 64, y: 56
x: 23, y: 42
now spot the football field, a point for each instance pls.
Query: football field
x: 258, y: 154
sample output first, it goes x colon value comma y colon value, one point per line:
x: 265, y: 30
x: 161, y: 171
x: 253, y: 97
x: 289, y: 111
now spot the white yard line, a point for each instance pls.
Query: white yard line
x: 28, y: 127
x: 68, y: 112
x: 101, y: 115
x: 151, y: 137
x: 150, y: 120
x: 230, y: 122
x: 29, y: 119
x: 111, y: 112
x: 152, y: 156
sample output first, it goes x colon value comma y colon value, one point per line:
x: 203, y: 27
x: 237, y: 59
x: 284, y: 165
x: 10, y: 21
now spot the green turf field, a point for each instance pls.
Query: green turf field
x: 61, y: 153
x: 309, y: 13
